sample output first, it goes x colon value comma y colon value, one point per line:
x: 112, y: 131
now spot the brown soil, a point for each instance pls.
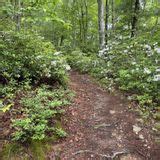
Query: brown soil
x: 100, y: 126
x: 4, y: 128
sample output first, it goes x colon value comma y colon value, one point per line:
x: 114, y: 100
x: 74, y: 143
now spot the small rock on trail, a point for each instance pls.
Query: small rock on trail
x: 100, y: 126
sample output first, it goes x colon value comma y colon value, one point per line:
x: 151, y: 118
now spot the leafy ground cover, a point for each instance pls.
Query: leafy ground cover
x: 33, y: 90
x: 35, y: 117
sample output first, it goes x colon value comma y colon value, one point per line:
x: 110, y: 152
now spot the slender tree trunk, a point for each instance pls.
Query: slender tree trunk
x: 80, y: 22
x: 101, y: 24
x: 112, y: 14
x: 86, y: 19
x: 83, y: 24
x: 18, y: 16
x: 74, y: 24
x: 135, y: 18
x: 61, y: 41
x: 107, y: 19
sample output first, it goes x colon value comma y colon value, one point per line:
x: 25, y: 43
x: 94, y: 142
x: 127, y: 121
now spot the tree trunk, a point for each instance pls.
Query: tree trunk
x: 18, y: 15
x: 112, y: 14
x: 101, y: 24
x: 135, y: 18
x: 83, y: 23
x: 74, y: 8
x: 86, y: 19
x: 107, y: 19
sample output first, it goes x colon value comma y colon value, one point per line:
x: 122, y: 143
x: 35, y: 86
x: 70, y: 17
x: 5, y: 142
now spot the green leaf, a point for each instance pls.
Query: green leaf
x: 6, y: 108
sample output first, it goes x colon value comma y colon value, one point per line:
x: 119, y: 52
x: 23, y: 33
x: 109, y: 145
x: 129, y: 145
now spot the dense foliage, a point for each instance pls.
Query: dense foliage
x: 39, y: 107
x: 29, y: 57
x: 131, y: 65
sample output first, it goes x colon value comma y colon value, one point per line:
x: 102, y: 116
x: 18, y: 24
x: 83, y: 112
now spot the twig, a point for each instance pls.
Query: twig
x: 102, y: 155
x: 119, y: 153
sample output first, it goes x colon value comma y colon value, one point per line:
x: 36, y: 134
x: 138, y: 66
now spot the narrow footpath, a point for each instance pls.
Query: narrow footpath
x: 101, y: 126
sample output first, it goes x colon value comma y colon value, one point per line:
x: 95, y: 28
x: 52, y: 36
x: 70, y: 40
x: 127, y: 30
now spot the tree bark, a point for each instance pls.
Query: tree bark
x: 74, y: 9
x: 135, y: 18
x: 107, y: 19
x: 86, y: 19
x: 83, y: 23
x: 112, y: 14
x: 18, y: 15
x: 101, y: 24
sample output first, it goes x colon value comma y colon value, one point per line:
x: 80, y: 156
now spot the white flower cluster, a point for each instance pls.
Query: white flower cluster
x: 125, y: 51
x: 158, y: 70
x: 67, y: 67
x: 57, y: 53
x: 39, y: 57
x: 53, y: 63
x: 125, y: 27
x: 148, y: 49
x: 157, y: 49
x: 134, y: 63
x: 156, y: 77
x: 47, y: 72
x: 102, y: 52
x: 147, y: 71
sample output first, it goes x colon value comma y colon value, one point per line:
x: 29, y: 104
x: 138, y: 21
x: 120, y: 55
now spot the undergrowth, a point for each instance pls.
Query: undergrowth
x: 33, y: 90
x: 37, y: 113
x: 130, y: 65
x: 36, y: 121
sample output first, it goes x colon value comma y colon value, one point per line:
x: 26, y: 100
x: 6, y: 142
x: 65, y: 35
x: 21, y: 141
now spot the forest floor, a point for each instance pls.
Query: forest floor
x: 101, y: 126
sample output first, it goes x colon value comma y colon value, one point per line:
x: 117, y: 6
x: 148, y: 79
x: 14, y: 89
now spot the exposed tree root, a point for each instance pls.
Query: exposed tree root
x: 109, y: 157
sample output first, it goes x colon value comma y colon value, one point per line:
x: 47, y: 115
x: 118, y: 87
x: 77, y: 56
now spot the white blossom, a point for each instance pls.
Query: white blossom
x: 120, y: 37
x: 156, y: 77
x: 157, y: 61
x: 147, y: 71
x: 133, y: 63
x: 132, y: 71
x: 39, y: 57
x: 125, y: 27
x: 44, y: 65
x: 57, y: 53
x: 126, y: 51
x: 101, y: 52
x: 53, y: 63
x: 48, y: 75
x: 68, y: 68
x: 158, y: 70
x: 147, y: 47
x: 157, y: 50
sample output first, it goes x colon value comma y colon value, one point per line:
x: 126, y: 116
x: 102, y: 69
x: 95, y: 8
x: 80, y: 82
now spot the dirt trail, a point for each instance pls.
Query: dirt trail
x: 1, y: 133
x: 100, y: 126
x: 4, y: 128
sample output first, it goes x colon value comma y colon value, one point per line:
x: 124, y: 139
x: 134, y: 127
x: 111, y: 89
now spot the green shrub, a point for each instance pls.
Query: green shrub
x: 29, y: 57
x: 86, y: 63
x: 132, y: 65
x: 37, y: 108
